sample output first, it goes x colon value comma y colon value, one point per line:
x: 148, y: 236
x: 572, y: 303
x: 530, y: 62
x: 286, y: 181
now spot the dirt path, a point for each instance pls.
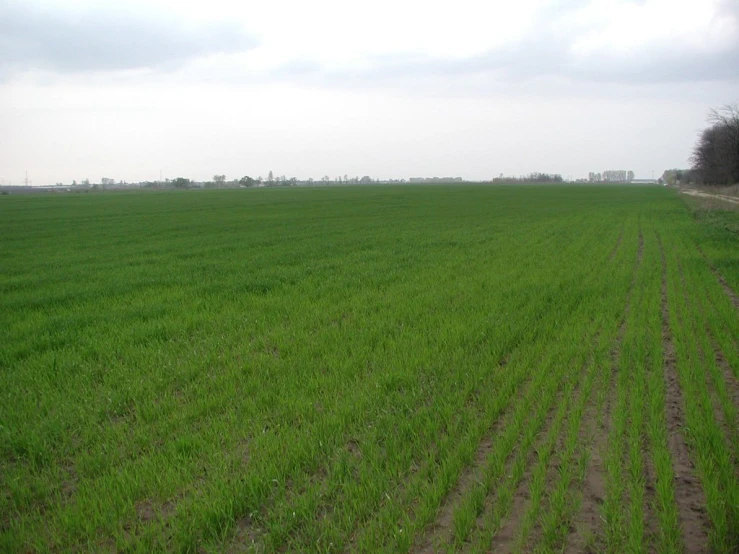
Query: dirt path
x: 701, y: 194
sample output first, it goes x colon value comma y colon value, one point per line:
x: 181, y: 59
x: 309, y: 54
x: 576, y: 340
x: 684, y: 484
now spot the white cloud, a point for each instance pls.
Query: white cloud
x: 627, y: 27
x: 339, y: 43
x: 34, y: 37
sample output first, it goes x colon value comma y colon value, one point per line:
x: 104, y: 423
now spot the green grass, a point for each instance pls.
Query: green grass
x: 316, y: 370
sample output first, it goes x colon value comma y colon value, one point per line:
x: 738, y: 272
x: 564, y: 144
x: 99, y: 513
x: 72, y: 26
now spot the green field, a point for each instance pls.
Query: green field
x: 379, y: 369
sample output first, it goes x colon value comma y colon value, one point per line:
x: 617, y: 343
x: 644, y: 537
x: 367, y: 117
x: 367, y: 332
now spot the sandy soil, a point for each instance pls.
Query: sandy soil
x: 710, y: 195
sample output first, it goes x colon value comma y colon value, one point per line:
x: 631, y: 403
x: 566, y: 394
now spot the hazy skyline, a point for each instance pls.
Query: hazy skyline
x: 387, y: 89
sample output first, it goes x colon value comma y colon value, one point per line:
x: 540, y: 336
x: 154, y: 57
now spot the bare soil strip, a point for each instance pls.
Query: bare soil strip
x: 589, y: 520
x: 443, y: 524
x: 689, y: 495
x: 585, y: 431
x: 650, y: 475
x: 650, y: 489
x: 505, y: 537
x: 593, y: 437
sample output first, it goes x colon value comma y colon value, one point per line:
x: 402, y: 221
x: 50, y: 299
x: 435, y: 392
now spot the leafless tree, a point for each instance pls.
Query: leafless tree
x: 716, y: 155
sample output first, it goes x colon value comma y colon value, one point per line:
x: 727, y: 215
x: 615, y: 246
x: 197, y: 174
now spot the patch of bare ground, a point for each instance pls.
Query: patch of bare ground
x: 247, y: 537
x: 513, y: 519
x: 689, y: 495
x: 593, y: 436
x: 68, y: 485
x: 505, y: 539
x: 105, y: 545
x: 733, y: 296
x: 149, y: 510
x: 504, y: 542
x: 443, y: 524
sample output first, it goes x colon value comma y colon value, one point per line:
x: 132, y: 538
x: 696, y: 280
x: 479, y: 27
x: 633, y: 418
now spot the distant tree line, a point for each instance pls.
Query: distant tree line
x: 530, y: 178
x: 435, y: 180
x: 716, y: 155
x: 272, y: 180
x: 611, y: 176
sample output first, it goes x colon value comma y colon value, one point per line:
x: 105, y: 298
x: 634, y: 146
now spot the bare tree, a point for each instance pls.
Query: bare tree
x: 726, y: 116
x: 716, y: 155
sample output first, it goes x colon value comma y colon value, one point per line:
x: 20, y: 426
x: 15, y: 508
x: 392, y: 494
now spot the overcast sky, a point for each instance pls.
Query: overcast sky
x: 389, y: 88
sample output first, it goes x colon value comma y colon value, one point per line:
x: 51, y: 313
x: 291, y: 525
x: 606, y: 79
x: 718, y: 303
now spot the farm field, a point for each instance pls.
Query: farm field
x: 371, y: 369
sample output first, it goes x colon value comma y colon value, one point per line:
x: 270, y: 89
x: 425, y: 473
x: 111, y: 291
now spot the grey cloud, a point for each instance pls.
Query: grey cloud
x: 729, y: 7
x: 548, y: 52
x: 659, y: 64
x: 531, y: 60
x: 102, y: 40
